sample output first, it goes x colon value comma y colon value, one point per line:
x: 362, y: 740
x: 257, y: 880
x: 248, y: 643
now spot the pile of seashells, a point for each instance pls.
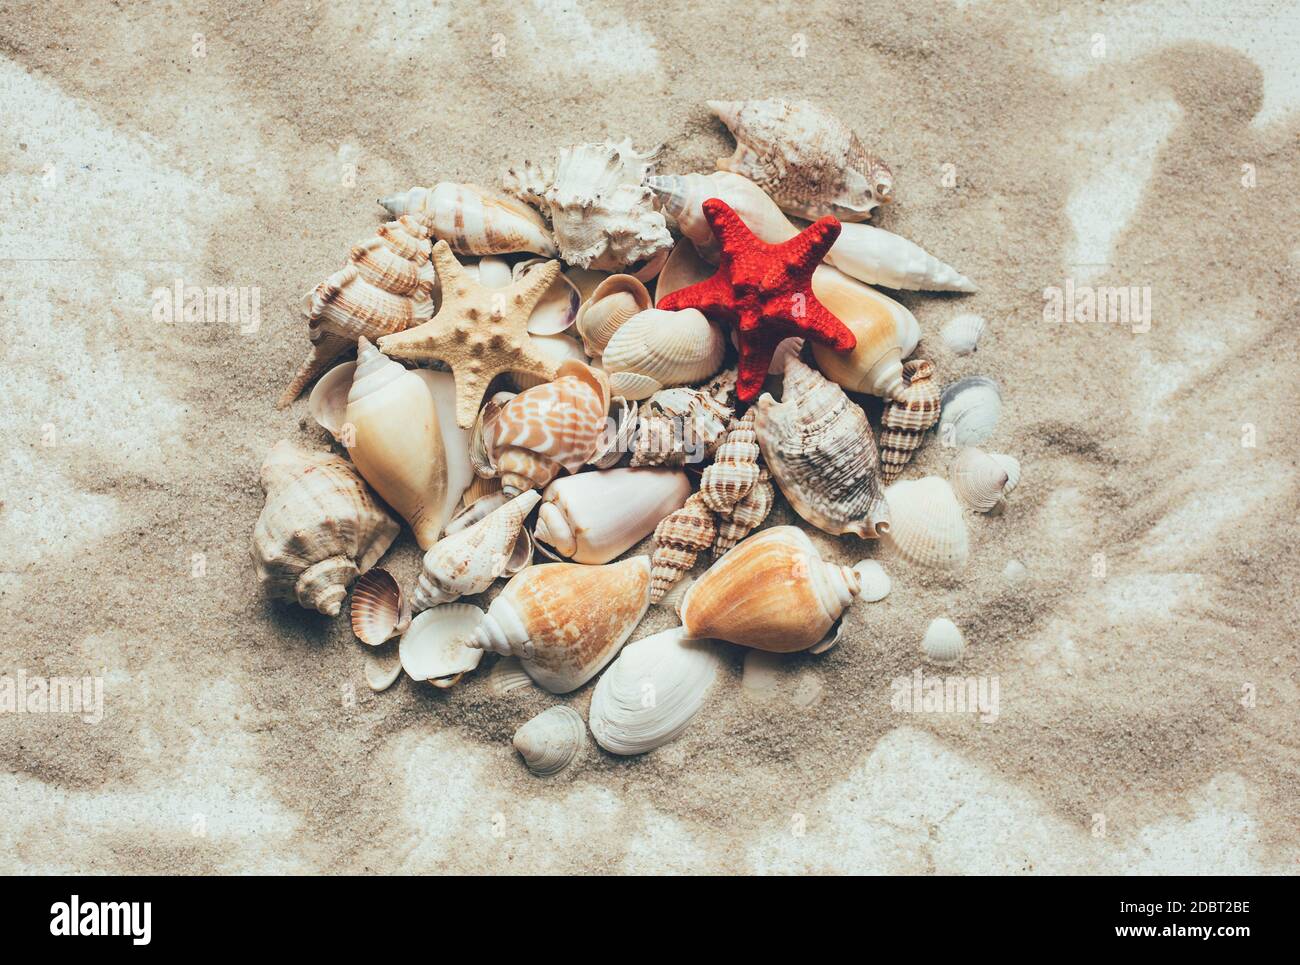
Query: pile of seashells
x: 629, y: 429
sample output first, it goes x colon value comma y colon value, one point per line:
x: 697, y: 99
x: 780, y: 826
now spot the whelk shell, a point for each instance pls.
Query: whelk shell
x: 880, y: 257
x: 595, y: 516
x: 615, y: 300
x: 652, y: 691
x: 468, y: 561
x: 657, y: 349
x: 380, y: 610
x: 734, y: 469
x: 552, y: 740
x: 474, y: 220
x: 904, y: 422
x: 437, y: 645
x: 943, y: 642
x: 983, y: 480
x: 927, y: 526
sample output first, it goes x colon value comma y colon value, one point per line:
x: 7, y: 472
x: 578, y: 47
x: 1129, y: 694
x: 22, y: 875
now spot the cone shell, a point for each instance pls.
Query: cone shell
x: 746, y: 516
x: 771, y: 592
x: 474, y: 220
x: 437, y: 645
x: 683, y: 197
x: 679, y: 540
x: 565, y: 621
x: 657, y: 349
x: 615, y: 300
x: 594, y: 517
x: 650, y: 694
x: 818, y: 446
x: 875, y: 365
x: 943, y: 641
x: 810, y: 163
x: 379, y: 608
x: 879, y: 257
x: 981, y: 480
x: 971, y: 407
x: 386, y: 286
x: 734, y: 469
x: 468, y: 561
x: 552, y: 740
x: 927, y: 527
x: 903, y: 423
x: 320, y: 528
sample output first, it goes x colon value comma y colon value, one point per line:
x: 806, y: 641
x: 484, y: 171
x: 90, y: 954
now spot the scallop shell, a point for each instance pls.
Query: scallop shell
x: 474, y: 220
x: 380, y: 610
x: 650, y: 694
x: 943, y: 642
x: 679, y: 540
x: 507, y: 675
x: 657, y: 349
x: 879, y: 257
x: 903, y: 423
x: 971, y: 407
x: 386, y: 286
x: 818, y: 446
x: 962, y: 334
x: 927, y: 526
x: 683, y: 197
x: 328, y: 402
x: 875, y: 365
x: 565, y: 621
x: 615, y: 300
x: 746, y: 516
x: 982, y: 480
x: 382, y: 666
x: 320, y: 528
x: 469, y: 560
x: 594, y: 517
x: 552, y: 740
x: 772, y: 592
x: 810, y: 162
x: 437, y: 646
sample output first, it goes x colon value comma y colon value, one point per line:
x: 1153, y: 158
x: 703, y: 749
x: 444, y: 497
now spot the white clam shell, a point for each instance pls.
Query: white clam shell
x: 971, y: 407
x: 434, y: 647
x: 979, y: 479
x: 657, y: 349
x: 927, y: 526
x: 943, y: 642
x: 874, y: 581
x: 491, y: 271
x: 962, y: 334
x: 649, y: 694
x: 506, y: 675
x: 328, y: 402
x: 614, y: 301
x: 552, y: 740
x: 382, y: 667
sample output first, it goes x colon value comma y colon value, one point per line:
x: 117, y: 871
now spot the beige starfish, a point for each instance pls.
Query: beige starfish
x: 479, y: 332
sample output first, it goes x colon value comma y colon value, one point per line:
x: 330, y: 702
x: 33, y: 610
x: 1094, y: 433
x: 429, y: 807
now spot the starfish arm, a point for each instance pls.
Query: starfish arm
x: 449, y: 269
x: 711, y: 296
x: 826, y: 328
x: 534, y: 365
x: 528, y: 291
x: 726, y: 224
x: 809, y: 247
x: 756, y: 351
x: 414, y: 343
x: 470, y: 388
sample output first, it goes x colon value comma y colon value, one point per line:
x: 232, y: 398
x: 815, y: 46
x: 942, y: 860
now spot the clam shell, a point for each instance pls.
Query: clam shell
x: 552, y: 740
x: 382, y: 667
x: 435, y: 647
x: 971, y: 407
x: 650, y: 694
x: 927, y: 527
x: 507, y: 675
x: 558, y: 308
x: 962, y: 334
x: 490, y: 271
x: 474, y: 220
x: 943, y: 642
x: 656, y: 349
x: 594, y: 517
x: 615, y: 300
x: 379, y: 608
x: 328, y: 401
x: 980, y: 480
x: 874, y: 581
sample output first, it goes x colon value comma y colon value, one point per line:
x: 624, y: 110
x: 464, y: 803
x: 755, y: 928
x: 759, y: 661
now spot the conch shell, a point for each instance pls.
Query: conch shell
x: 467, y: 561
x: 875, y: 365
x: 657, y: 349
x: 771, y: 592
x: 565, y: 621
x: 319, y: 530
x: 595, y: 516
x: 805, y: 158
x: 746, y: 516
x: 552, y: 740
x: 903, y: 423
x: 879, y: 257
x: 396, y: 443
x: 927, y: 527
x: 601, y: 213
x: 553, y: 426
x: 818, y: 446
x: 615, y: 300
x: 474, y: 220
x: 682, y: 426
x: 386, y: 286
x: 679, y: 540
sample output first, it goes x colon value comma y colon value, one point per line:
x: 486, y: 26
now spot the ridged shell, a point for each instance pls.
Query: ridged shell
x: 971, y: 407
x: 962, y: 334
x: 927, y: 526
x: 810, y: 162
x: 734, y: 469
x: 746, y: 516
x: 680, y: 426
x: 903, y: 422
x: 469, y: 560
x: 772, y: 592
x: 507, y: 675
x: 818, y: 446
x: 943, y: 641
x: 552, y: 740
x: 320, y: 528
x: 437, y: 645
x: 380, y: 610
x: 879, y: 257
x: 679, y: 540
x: 683, y: 197
x: 615, y: 300
x: 982, y: 480
x: 565, y: 621
x: 656, y: 349
x: 650, y: 694
x: 874, y: 581
x: 474, y: 220
x: 875, y: 365
x: 386, y: 286
x: 594, y: 517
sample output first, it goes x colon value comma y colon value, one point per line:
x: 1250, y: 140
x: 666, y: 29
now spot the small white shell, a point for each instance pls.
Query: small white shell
x: 382, y: 667
x: 491, y: 271
x: 927, y: 526
x: 657, y: 349
x: 507, y: 674
x: 943, y: 642
x: 434, y: 647
x: 552, y: 740
x: 979, y: 479
x: 970, y: 410
x: 328, y: 401
x: 874, y: 580
x: 649, y: 694
x: 962, y: 334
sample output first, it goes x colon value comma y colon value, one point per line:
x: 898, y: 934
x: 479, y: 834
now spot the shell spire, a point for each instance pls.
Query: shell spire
x: 679, y: 540
x: 734, y: 470
x: 904, y: 422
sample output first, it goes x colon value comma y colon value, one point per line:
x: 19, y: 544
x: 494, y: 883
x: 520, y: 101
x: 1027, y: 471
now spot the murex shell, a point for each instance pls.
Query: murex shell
x: 473, y: 220
x: 552, y: 740
x: 772, y: 591
x: 808, y: 161
x: 927, y: 526
x: 652, y: 691
x: 565, y: 621
x: 657, y: 349
x: 320, y: 528
x: 818, y: 446
x: 595, y: 516
x: 467, y: 561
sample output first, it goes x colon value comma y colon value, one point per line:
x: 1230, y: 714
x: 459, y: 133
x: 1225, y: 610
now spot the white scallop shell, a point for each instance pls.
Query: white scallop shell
x: 434, y: 646
x: 649, y: 694
x: 962, y: 334
x: 943, y: 642
x: 927, y: 526
x: 552, y: 740
x: 971, y: 407
x: 657, y: 349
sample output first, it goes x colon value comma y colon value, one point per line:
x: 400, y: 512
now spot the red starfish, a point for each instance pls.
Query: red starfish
x: 765, y: 291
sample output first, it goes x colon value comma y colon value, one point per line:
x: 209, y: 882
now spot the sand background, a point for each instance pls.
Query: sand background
x: 239, y: 736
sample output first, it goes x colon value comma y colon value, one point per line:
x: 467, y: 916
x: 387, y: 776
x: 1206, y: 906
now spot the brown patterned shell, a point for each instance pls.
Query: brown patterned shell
x: 747, y: 515
x: 904, y: 423
x: 734, y: 469
x: 680, y: 537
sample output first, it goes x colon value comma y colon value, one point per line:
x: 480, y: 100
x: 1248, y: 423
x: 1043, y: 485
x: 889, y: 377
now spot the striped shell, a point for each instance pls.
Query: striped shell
x: 982, y: 480
x: 679, y: 539
x: 927, y: 526
x: 656, y: 349
x: 904, y: 422
x: 474, y: 220
x: 747, y: 515
x: 380, y: 610
x: 734, y: 469
x: 552, y: 740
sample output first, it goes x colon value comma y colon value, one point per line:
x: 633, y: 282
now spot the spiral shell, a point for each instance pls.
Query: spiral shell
x: 552, y: 740
x: 904, y: 421
x: 468, y: 561
x: 734, y: 469
x: 615, y: 300
x: 982, y: 480
x: 746, y: 516
x: 683, y: 197
x: 679, y: 540
x: 474, y: 220
x: 656, y: 349
x: 927, y: 526
x: 878, y: 257
x: 380, y: 610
